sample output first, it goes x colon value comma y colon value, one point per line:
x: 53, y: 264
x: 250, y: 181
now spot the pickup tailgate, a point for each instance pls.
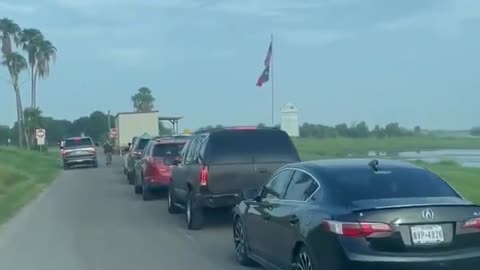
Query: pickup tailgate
x: 234, y: 178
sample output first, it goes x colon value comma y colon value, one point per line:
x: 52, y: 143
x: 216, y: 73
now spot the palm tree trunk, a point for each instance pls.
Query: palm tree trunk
x: 19, y: 115
x: 33, y: 98
x: 35, y: 76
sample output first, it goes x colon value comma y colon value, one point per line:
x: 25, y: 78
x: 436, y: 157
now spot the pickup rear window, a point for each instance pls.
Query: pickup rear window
x: 247, y: 146
x: 80, y: 142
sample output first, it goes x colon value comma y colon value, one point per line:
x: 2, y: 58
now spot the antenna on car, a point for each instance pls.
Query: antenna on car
x: 374, y: 164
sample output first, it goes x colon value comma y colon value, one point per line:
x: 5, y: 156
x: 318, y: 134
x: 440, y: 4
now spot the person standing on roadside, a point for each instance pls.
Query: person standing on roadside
x: 108, y: 150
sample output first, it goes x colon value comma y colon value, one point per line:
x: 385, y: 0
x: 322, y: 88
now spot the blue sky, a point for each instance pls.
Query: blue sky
x: 411, y: 61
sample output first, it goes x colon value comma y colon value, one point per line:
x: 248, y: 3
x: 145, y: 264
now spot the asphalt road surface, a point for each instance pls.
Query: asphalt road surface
x: 90, y: 219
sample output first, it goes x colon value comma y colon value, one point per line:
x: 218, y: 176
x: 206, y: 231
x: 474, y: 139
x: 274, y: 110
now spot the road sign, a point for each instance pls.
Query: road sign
x: 113, y: 133
x: 40, y: 134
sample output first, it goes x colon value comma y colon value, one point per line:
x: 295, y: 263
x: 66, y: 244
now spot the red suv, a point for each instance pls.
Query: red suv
x: 154, y: 167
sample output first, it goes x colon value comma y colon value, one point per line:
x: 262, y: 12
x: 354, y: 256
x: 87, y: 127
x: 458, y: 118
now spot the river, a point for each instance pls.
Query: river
x: 467, y: 158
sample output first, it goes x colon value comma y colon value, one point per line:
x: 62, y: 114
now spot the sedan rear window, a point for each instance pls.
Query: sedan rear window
x: 356, y: 184
x: 80, y: 142
x: 162, y: 150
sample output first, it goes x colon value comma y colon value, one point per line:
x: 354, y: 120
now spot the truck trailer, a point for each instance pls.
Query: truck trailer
x: 132, y: 124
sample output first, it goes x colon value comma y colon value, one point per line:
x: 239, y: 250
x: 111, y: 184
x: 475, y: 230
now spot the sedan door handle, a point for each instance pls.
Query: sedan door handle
x: 262, y: 170
x: 294, y: 220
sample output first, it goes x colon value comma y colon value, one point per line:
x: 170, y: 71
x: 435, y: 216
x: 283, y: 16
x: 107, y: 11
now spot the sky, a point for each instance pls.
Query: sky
x: 409, y: 61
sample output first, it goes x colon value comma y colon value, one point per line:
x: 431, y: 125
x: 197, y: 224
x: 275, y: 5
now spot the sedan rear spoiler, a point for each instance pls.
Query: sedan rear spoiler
x: 366, y: 205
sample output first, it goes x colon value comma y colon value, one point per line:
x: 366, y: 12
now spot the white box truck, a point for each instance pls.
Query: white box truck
x: 133, y: 124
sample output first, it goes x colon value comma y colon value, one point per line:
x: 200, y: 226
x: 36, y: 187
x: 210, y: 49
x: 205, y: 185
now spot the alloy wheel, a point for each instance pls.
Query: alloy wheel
x: 304, y: 261
x: 239, y: 240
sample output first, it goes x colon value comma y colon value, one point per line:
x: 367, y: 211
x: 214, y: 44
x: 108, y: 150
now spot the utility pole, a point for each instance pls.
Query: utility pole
x: 108, y: 121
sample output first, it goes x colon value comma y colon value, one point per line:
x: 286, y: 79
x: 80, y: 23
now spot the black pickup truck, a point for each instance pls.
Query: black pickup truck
x: 216, y: 166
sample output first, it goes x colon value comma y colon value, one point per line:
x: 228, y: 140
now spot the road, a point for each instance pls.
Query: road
x: 90, y: 219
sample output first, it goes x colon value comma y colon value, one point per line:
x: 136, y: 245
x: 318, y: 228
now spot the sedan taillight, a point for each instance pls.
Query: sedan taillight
x: 356, y: 229
x: 472, y: 224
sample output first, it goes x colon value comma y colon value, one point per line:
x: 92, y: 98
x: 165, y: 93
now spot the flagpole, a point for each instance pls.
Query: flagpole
x: 271, y: 75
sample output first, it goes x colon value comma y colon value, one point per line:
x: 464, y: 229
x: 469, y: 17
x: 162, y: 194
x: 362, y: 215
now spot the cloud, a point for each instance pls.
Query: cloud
x: 17, y: 8
x: 314, y: 37
x: 443, y: 18
x: 91, y: 4
x: 271, y: 7
x: 127, y: 56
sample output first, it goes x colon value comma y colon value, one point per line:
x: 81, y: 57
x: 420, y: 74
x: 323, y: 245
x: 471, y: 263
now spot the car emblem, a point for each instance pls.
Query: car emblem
x: 428, y: 214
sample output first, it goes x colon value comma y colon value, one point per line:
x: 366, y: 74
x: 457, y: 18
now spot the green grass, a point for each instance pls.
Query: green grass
x: 23, y: 174
x: 311, y: 148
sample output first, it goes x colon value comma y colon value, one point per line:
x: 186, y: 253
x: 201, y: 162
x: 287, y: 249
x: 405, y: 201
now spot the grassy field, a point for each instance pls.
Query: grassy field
x: 311, y: 148
x: 23, y: 175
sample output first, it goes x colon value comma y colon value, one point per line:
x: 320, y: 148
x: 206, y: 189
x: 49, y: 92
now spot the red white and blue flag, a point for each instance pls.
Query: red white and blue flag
x: 265, y: 76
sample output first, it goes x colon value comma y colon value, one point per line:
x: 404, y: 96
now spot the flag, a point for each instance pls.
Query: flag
x: 268, y: 58
x: 264, y: 77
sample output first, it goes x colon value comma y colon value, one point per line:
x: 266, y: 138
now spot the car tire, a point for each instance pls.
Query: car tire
x: 304, y: 260
x: 137, y: 189
x: 194, y: 214
x: 241, y: 244
x: 172, y: 208
x: 95, y: 165
x: 130, y: 177
x: 146, y: 192
x: 66, y: 167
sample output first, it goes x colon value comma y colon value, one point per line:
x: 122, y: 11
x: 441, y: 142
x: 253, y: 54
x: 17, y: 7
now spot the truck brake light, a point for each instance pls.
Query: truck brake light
x: 204, y: 176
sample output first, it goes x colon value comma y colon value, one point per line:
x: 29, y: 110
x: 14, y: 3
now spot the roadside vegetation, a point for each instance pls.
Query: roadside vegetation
x: 314, y: 148
x: 23, y: 174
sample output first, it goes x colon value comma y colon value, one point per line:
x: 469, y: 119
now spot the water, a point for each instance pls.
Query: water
x: 467, y: 158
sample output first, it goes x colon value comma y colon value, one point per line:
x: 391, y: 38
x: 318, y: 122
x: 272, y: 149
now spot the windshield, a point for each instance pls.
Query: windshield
x: 361, y: 184
x: 162, y: 150
x: 75, y: 143
x: 142, y: 143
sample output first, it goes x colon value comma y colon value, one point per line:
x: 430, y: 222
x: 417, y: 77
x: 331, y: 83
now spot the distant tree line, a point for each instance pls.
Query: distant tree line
x: 355, y: 130
x: 94, y: 125
x: 475, y: 131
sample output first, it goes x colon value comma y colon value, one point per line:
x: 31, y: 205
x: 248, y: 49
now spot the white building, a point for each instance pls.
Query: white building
x: 289, y: 120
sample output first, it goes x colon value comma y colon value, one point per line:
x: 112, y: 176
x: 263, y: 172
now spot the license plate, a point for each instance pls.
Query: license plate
x: 427, y: 234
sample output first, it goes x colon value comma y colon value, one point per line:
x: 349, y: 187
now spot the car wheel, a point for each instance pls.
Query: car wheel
x: 137, y: 189
x: 95, y: 165
x: 66, y: 167
x: 194, y: 214
x: 146, y: 193
x: 240, y: 241
x: 304, y: 260
x: 130, y: 177
x: 172, y: 208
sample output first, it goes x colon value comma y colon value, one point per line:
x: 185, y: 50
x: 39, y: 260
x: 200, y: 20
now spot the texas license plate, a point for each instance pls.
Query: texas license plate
x: 427, y: 234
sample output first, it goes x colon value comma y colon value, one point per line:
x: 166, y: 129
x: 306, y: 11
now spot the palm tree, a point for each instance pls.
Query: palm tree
x: 15, y: 63
x: 33, y: 120
x: 9, y: 31
x: 31, y: 39
x: 46, y: 54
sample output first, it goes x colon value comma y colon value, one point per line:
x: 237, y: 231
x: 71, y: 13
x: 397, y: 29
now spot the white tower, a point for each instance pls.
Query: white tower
x: 289, y: 120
